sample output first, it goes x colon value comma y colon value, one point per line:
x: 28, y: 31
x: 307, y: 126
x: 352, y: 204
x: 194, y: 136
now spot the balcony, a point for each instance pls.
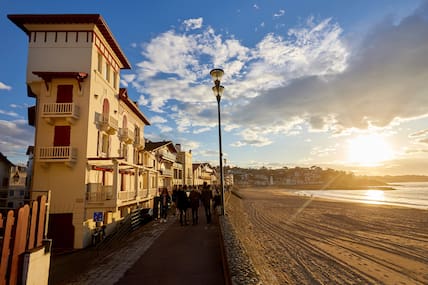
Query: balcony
x: 139, y: 142
x: 124, y: 196
x: 66, y: 154
x: 168, y: 156
x: 166, y: 172
x: 68, y: 111
x: 99, y: 193
x: 107, y: 124
x: 126, y: 135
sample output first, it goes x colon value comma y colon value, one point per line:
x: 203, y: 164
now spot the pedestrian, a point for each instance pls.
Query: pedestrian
x: 174, y: 200
x: 217, y: 201
x: 194, y: 198
x: 182, y: 204
x: 165, y: 199
x: 206, y: 197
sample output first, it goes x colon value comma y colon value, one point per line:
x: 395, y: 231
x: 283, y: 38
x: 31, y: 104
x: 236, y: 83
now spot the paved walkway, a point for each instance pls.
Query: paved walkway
x: 157, y: 253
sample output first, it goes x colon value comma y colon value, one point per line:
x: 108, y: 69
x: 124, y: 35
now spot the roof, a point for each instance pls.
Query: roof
x: 200, y: 164
x: 4, y: 158
x: 155, y: 145
x: 21, y: 20
x: 123, y: 96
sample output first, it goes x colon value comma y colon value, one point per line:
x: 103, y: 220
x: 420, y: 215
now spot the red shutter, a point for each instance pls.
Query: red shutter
x: 62, y: 136
x: 64, y: 94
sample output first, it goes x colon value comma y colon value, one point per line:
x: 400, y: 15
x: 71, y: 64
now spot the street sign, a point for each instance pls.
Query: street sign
x: 98, y: 216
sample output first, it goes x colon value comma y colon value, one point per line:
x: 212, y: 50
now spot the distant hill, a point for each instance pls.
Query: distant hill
x: 400, y: 178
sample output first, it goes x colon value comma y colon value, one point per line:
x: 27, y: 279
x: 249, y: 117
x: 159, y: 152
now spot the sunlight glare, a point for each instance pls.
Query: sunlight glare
x: 375, y: 195
x: 369, y: 150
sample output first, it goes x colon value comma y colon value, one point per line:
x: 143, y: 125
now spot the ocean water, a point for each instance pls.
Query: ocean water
x: 409, y: 194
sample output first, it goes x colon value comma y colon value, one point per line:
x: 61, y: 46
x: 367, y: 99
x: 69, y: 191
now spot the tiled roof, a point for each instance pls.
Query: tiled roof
x: 123, y: 95
x: 155, y: 145
x: 4, y: 158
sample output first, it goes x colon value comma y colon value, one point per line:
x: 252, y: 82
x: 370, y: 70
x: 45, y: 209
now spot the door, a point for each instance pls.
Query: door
x: 61, y: 230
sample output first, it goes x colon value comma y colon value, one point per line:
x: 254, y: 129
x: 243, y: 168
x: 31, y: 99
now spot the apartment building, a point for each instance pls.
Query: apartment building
x: 185, y: 159
x: 164, y: 159
x: 89, y: 135
x: 203, y: 172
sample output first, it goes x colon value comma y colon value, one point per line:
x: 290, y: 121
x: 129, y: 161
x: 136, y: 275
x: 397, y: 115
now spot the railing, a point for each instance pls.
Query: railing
x: 107, y: 123
x: 166, y: 172
x: 168, y: 156
x: 126, y: 135
x: 126, y: 195
x: 57, y: 153
x: 139, y: 142
x: 99, y: 193
x: 205, y: 176
x: 60, y: 110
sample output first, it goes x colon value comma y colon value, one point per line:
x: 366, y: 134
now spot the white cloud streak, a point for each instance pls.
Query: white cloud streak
x: 4, y: 86
x: 311, y: 77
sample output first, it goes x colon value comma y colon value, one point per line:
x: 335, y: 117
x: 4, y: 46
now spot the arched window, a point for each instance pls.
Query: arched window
x: 106, y: 110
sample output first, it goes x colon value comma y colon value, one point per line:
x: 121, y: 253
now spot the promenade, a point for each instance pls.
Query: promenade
x: 156, y: 253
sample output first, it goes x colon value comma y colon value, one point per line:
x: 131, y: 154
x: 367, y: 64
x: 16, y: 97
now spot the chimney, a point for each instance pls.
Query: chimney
x: 178, y: 147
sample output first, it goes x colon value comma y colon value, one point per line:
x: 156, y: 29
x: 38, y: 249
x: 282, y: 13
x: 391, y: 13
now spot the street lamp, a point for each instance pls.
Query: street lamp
x: 216, y: 75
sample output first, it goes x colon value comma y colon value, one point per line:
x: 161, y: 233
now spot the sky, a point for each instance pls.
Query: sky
x: 336, y: 84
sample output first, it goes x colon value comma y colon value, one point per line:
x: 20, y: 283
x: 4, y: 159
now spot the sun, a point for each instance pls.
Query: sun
x: 369, y: 150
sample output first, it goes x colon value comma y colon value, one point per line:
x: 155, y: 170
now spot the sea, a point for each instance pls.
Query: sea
x: 408, y: 194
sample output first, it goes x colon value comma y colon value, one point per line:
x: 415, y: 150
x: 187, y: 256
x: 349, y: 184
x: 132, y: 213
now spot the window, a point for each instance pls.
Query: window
x: 105, y: 144
x: 106, y: 110
x: 107, y: 74
x: 100, y: 63
x: 125, y: 151
x: 114, y: 79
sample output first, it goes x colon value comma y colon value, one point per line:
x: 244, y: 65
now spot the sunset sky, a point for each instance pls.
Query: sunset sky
x: 339, y: 84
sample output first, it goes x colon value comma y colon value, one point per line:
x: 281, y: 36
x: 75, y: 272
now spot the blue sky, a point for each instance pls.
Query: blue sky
x: 340, y: 84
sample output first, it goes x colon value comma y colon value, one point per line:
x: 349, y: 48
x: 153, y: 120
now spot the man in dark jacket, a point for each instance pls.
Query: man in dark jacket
x: 206, y: 197
x: 182, y: 205
x: 194, y: 198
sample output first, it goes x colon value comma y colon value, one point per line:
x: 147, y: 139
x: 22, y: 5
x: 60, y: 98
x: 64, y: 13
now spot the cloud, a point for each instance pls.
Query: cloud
x: 311, y: 77
x: 280, y: 13
x: 157, y: 120
x: 420, y: 133
x: 383, y: 82
x: 4, y: 86
x: 193, y: 24
x: 16, y: 137
x: 164, y: 128
x: 9, y: 113
x: 255, y: 6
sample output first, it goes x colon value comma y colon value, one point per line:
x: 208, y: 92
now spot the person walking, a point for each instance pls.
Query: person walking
x: 182, y: 204
x: 217, y: 201
x: 206, y: 198
x: 165, y: 199
x: 194, y: 198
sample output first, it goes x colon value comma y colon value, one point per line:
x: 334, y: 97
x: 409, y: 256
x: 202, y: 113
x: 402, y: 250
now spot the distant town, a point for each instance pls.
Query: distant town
x: 313, y: 177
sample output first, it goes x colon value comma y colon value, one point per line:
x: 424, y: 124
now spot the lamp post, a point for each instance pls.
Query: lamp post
x: 216, y: 75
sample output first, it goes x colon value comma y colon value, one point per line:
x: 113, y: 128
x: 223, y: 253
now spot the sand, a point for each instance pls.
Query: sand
x: 300, y: 240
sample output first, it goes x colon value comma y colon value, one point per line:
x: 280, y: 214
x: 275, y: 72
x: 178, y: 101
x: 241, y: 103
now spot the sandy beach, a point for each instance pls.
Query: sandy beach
x: 300, y: 240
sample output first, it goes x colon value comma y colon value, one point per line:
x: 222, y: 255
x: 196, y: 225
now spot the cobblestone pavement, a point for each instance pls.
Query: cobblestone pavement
x: 107, y: 266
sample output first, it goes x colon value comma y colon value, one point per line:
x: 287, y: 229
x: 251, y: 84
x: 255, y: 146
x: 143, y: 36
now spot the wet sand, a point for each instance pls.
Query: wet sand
x: 300, y: 240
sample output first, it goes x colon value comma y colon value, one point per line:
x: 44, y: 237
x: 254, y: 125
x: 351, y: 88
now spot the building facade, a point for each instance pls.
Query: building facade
x: 89, y: 136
